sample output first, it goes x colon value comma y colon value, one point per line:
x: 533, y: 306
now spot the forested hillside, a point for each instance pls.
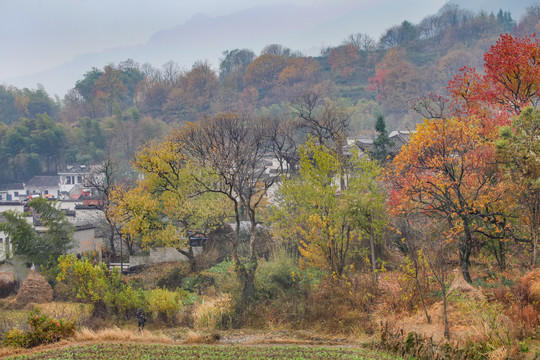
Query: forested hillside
x: 114, y: 110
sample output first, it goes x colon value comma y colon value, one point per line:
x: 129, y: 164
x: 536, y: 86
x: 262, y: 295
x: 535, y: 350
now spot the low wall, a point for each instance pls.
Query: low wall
x: 161, y: 255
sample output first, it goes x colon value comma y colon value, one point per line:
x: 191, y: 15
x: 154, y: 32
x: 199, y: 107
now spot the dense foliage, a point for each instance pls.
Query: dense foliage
x: 299, y: 225
x: 120, y: 107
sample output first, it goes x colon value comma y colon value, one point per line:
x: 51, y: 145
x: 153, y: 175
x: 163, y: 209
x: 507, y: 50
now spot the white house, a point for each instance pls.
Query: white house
x: 13, y: 192
x: 47, y: 186
x: 72, y: 181
x: 5, y: 246
x: 85, y: 224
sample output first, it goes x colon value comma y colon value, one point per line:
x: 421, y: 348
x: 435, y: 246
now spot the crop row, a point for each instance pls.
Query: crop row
x: 134, y: 351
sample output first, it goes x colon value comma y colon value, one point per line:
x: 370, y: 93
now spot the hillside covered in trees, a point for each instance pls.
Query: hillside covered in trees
x: 114, y: 110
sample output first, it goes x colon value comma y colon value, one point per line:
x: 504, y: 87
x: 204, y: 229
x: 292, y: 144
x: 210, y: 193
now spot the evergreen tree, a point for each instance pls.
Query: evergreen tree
x: 382, y: 143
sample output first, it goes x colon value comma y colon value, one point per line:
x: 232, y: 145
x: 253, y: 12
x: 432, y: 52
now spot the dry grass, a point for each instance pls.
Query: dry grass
x: 498, y: 354
x: 195, y: 337
x: 123, y: 335
x: 65, y: 310
x: 210, y: 313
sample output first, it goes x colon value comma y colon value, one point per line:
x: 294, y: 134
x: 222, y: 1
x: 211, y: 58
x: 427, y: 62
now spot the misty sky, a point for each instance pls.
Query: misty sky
x: 36, y: 35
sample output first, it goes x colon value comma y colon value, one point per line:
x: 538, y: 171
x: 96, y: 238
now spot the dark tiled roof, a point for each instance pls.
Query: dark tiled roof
x: 47, y: 181
x: 14, y: 186
x: 76, y: 169
x: 399, y: 138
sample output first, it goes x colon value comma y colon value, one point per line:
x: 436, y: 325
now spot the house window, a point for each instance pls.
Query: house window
x: 79, y: 179
x: 68, y: 180
x: 8, y: 197
x: 16, y: 193
x: 46, y: 192
x: 1, y: 240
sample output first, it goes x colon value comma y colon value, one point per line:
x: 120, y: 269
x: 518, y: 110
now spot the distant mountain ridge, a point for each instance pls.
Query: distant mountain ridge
x: 303, y: 28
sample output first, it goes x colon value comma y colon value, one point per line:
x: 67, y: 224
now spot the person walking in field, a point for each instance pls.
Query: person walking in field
x: 141, y: 319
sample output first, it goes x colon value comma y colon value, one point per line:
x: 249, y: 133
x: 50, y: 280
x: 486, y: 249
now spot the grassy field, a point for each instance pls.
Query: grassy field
x: 134, y: 351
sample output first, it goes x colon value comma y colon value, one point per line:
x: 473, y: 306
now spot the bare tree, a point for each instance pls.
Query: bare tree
x: 361, y: 41
x: 326, y: 121
x: 171, y: 73
x: 103, y: 181
x: 230, y: 153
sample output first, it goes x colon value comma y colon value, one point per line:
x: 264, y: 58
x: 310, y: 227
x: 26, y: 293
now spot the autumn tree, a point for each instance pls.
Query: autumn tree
x: 109, y: 87
x: 277, y: 49
x: 448, y: 172
x: 201, y: 84
x: 344, y: 59
x: 395, y: 81
x: 529, y: 23
x: 510, y: 82
x: 103, y: 181
x: 263, y: 72
x: 518, y: 149
x: 164, y: 207
x: 361, y: 41
x: 327, y: 223
x: 365, y: 198
x: 228, y: 155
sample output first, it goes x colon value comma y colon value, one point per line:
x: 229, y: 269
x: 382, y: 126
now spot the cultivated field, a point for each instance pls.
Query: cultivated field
x: 134, y: 351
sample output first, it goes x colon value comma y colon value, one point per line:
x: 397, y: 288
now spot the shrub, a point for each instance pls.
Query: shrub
x: 222, y: 277
x: 165, y: 304
x: 284, y: 289
x: 43, y: 330
x: 127, y: 301
x: 275, y: 277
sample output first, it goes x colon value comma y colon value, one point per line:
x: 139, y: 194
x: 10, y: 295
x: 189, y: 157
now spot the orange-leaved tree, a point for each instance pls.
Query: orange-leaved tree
x: 448, y: 172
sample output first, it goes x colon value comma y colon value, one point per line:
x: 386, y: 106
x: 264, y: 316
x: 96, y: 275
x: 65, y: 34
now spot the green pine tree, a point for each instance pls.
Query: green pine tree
x: 382, y: 143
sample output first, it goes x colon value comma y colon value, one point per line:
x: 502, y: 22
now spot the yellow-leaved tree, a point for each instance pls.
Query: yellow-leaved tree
x: 164, y: 205
x: 325, y: 219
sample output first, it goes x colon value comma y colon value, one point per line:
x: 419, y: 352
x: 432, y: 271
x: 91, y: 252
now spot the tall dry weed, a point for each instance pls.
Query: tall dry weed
x: 343, y: 305
x: 213, y: 313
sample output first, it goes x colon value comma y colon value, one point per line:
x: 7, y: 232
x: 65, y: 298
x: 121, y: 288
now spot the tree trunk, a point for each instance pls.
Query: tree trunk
x: 465, y: 266
x: 421, y: 296
x: 372, y: 246
x: 465, y: 249
x: 248, y: 289
x: 111, y: 241
x: 535, y: 247
x: 534, y: 230
x: 445, y: 312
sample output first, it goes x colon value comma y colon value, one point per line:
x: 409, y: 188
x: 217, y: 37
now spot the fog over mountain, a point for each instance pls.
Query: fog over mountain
x: 299, y: 26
